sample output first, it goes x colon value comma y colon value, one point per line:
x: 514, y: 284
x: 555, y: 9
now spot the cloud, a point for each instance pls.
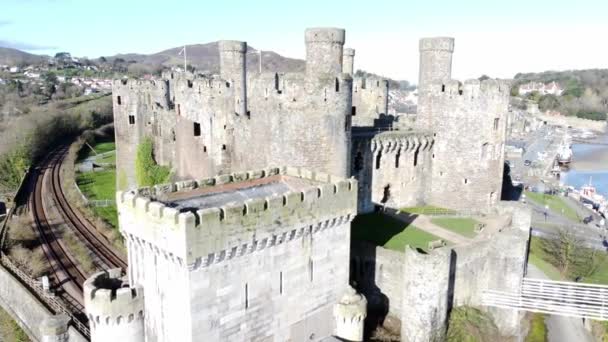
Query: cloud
x: 5, y: 22
x: 25, y: 46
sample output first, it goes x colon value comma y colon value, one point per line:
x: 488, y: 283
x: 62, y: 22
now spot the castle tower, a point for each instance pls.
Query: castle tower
x: 426, y: 288
x: 348, y: 61
x: 349, y: 315
x: 114, y: 309
x: 324, y: 50
x: 469, y: 128
x: 435, y: 61
x: 233, y: 68
x: 242, y: 256
x: 55, y: 329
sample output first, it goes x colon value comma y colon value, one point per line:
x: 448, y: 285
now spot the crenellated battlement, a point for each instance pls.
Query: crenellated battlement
x: 472, y: 89
x: 109, y: 300
x: 397, y: 141
x: 325, y: 35
x: 370, y: 83
x: 437, y: 44
x: 187, y: 233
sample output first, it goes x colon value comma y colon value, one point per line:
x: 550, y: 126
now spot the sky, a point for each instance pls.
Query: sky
x: 497, y: 38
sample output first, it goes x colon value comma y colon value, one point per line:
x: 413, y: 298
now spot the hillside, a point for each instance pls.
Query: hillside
x: 205, y: 57
x: 14, y: 57
x: 585, y: 92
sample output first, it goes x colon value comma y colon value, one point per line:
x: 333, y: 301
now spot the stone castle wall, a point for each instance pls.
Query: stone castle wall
x: 469, y: 125
x: 370, y: 101
x: 244, y: 271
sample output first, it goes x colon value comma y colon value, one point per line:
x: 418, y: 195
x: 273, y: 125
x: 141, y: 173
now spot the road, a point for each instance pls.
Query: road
x: 560, y: 328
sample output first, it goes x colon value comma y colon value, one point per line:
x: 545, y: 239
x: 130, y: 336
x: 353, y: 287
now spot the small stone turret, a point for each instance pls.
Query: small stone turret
x: 324, y: 50
x: 348, y: 61
x: 233, y: 67
x: 55, y: 329
x: 435, y: 61
x: 115, y: 310
x: 350, y: 315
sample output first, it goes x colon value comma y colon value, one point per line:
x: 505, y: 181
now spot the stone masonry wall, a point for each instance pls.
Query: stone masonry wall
x: 370, y: 101
x: 268, y: 269
x: 469, y: 125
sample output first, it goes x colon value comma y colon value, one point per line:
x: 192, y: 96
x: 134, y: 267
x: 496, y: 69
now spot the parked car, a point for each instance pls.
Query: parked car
x: 588, y: 219
x: 527, y: 162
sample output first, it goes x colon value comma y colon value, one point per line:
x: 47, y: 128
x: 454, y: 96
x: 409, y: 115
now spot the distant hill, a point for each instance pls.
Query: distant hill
x: 14, y: 57
x: 205, y: 57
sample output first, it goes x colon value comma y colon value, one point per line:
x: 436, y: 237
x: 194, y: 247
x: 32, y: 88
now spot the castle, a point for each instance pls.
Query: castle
x: 252, y: 243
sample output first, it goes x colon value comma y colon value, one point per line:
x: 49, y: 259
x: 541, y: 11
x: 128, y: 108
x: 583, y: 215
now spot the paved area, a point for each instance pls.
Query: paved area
x: 560, y: 328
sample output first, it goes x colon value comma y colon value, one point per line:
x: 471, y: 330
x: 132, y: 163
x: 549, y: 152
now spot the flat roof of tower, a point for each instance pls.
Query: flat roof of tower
x: 219, y: 195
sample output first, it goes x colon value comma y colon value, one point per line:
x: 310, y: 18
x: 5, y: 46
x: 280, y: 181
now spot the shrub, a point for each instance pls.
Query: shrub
x: 468, y: 324
x: 147, y: 171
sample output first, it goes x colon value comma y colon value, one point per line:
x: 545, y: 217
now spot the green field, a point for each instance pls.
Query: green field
x: 556, y: 203
x: 538, y: 329
x: 388, y: 232
x: 590, y: 265
x: 425, y: 210
x: 464, y: 226
x: 100, y: 185
x: 100, y: 147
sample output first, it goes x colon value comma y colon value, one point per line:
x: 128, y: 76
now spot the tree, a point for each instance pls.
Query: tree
x: 548, y: 102
x: 484, y: 77
x: 567, y: 253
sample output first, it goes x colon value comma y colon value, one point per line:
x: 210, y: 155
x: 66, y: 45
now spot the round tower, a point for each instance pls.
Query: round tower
x: 55, y: 329
x: 349, y: 314
x: 115, y: 310
x: 348, y: 61
x: 233, y: 68
x: 435, y: 61
x: 324, y: 50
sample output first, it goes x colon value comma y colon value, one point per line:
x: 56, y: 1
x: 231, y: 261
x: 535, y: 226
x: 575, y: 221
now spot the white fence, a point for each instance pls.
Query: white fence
x: 553, y: 297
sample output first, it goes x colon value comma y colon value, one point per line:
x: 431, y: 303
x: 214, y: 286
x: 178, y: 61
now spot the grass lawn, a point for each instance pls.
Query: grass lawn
x: 388, y: 232
x: 555, y: 202
x: 464, y: 226
x: 539, y: 258
x: 425, y: 209
x: 100, y: 147
x: 100, y: 185
x: 538, y: 329
x: 109, y: 158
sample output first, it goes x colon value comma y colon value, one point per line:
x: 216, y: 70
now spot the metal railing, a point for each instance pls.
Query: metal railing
x: 553, y: 297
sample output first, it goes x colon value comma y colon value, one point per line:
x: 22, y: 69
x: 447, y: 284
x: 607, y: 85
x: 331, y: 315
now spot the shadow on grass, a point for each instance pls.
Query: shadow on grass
x: 377, y: 227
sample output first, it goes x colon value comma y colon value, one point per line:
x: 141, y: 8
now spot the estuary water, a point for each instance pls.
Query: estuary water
x: 589, y: 163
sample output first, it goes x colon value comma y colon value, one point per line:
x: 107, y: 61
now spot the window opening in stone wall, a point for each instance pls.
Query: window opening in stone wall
x: 443, y: 88
x: 386, y: 194
x: 131, y: 119
x: 358, y: 162
x: 496, y: 121
x: 190, y: 84
x: 397, y: 157
x: 280, y: 282
x: 416, y: 157
x: 179, y: 109
x: 378, y: 158
x: 149, y: 99
x: 310, y: 269
x: 353, y: 111
x: 224, y: 147
x: 246, y: 296
x: 204, y: 148
x: 197, y: 129
x: 118, y: 100
x: 337, y: 85
x: 466, y: 181
x: 484, y: 151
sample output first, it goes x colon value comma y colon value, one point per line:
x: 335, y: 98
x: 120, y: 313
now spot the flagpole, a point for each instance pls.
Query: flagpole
x: 185, y: 60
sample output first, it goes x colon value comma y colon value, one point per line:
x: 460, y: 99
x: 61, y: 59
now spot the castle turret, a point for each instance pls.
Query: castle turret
x: 115, y: 310
x: 435, y: 61
x: 469, y: 127
x: 324, y: 50
x: 350, y: 315
x: 55, y: 329
x: 348, y: 61
x: 233, y: 67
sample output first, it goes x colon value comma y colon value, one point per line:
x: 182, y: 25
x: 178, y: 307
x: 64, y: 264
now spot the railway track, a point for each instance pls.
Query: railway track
x: 65, y: 272
x: 107, y: 256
